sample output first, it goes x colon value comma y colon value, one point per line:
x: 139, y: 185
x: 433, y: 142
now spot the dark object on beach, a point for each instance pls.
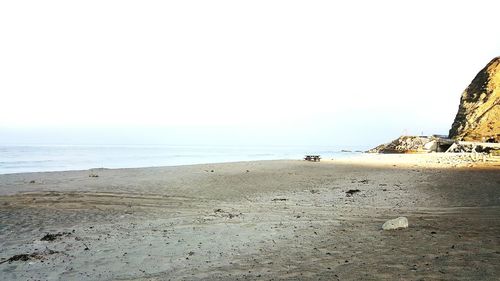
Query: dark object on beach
x: 312, y: 158
x: 226, y: 214
x: 211, y: 171
x: 22, y: 257
x: 32, y: 256
x: 350, y: 192
x: 93, y: 176
x: 279, y: 199
x: 363, y: 181
x: 32, y: 182
x: 54, y: 236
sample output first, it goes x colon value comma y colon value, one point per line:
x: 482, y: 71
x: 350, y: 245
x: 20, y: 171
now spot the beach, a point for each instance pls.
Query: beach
x: 257, y: 220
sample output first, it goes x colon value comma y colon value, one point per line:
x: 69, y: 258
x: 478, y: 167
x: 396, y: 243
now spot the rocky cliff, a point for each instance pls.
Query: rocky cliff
x: 407, y: 144
x: 478, y: 116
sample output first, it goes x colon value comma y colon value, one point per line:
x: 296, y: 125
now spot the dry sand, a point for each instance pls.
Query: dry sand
x: 264, y: 220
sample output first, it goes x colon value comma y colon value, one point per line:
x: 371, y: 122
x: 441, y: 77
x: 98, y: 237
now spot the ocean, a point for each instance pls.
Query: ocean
x: 42, y: 158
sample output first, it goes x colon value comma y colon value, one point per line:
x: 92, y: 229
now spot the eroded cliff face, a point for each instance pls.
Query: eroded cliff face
x: 478, y: 116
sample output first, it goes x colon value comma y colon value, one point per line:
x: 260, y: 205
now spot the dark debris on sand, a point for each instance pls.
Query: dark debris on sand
x: 32, y: 256
x: 351, y: 192
x: 23, y: 257
x: 54, y: 236
x: 226, y: 214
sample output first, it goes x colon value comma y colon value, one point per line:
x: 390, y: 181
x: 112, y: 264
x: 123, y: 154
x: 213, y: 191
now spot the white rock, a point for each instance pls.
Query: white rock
x: 397, y: 223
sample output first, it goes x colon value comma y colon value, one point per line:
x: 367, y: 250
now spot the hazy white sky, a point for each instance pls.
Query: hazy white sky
x: 237, y: 71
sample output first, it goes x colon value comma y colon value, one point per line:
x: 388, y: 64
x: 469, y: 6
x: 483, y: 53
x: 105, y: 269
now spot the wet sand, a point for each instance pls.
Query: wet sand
x: 263, y: 220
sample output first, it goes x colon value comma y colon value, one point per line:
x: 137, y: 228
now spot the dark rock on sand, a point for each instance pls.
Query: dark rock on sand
x: 54, y: 236
x: 351, y: 192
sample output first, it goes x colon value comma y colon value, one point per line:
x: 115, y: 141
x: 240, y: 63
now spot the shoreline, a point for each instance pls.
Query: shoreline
x: 276, y: 219
x: 429, y: 160
x: 145, y: 167
x: 40, y: 159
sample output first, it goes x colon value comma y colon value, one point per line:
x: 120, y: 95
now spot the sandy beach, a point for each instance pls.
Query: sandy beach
x: 261, y: 220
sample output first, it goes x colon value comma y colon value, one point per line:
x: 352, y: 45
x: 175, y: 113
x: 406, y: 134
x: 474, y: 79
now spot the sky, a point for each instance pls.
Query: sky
x: 237, y: 72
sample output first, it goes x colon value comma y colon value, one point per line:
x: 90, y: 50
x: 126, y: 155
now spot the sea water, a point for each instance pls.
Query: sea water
x: 41, y: 158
